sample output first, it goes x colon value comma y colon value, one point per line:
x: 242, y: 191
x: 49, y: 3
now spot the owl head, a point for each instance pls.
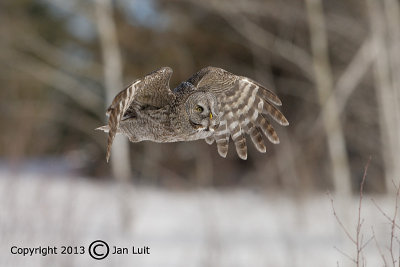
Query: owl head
x: 202, y: 110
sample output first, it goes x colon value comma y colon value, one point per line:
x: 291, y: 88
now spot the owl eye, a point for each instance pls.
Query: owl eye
x: 199, y: 108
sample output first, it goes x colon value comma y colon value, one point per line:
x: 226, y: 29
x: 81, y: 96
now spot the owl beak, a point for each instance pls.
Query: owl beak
x: 214, y: 121
x: 211, y: 128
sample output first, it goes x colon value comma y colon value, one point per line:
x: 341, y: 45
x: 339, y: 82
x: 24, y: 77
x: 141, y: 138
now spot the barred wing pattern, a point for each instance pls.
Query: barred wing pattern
x: 243, y: 105
x: 151, y: 90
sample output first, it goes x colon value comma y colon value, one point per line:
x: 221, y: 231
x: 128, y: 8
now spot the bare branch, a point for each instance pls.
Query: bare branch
x: 346, y: 255
x: 384, y: 213
x: 394, y: 223
x: 385, y: 69
x: 339, y: 221
x: 353, y: 74
x: 260, y: 37
x: 324, y: 86
x: 358, y: 240
x: 54, y: 78
x: 360, y: 221
x: 268, y: 41
x: 59, y: 58
x: 366, y: 243
x: 378, y: 247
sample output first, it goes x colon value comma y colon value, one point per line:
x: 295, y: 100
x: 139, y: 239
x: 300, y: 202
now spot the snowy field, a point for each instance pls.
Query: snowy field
x: 181, y: 228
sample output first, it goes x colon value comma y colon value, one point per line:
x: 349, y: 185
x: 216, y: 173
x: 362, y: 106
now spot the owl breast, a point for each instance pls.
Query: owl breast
x: 161, y: 126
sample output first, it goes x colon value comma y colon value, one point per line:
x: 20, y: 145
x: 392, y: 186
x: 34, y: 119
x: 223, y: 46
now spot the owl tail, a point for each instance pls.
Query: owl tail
x: 104, y: 128
x: 115, y: 114
x: 111, y: 136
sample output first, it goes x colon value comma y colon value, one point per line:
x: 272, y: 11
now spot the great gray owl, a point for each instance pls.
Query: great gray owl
x: 213, y: 104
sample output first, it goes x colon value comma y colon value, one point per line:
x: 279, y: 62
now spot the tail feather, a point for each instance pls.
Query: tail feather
x: 104, y: 128
x: 111, y: 135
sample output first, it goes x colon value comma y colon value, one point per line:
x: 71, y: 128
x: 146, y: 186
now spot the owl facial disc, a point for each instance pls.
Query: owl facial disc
x: 203, y: 111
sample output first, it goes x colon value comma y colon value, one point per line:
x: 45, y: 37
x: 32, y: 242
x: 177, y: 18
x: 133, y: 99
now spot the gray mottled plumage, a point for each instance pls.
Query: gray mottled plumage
x: 213, y: 105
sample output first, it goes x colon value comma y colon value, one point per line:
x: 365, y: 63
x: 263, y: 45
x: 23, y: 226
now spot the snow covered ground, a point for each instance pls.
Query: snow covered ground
x: 181, y: 228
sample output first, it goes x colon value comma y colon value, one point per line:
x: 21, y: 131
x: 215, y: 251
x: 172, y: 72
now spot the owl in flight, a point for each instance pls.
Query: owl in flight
x: 213, y: 104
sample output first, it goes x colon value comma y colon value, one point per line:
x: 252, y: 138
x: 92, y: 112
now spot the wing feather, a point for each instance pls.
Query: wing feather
x: 256, y: 137
x: 267, y: 129
x: 151, y: 90
x: 274, y: 113
x: 210, y: 140
x: 222, y: 138
x: 241, y: 147
x: 243, y: 104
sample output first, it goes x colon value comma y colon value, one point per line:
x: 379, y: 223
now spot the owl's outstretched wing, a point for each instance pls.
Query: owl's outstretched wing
x: 152, y: 90
x: 243, y: 105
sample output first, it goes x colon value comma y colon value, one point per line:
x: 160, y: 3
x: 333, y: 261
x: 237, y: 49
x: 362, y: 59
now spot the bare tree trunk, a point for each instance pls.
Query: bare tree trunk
x: 324, y: 83
x: 392, y: 10
x: 386, y: 71
x: 120, y: 160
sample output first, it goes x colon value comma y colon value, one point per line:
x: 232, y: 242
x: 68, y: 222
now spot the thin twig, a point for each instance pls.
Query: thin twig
x: 384, y: 213
x: 359, y: 220
x: 378, y: 247
x: 339, y: 221
x: 393, y: 221
x: 358, y: 241
x: 345, y: 254
x: 366, y: 243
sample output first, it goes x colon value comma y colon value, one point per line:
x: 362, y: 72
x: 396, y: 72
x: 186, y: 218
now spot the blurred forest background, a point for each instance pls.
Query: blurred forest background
x: 334, y: 64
